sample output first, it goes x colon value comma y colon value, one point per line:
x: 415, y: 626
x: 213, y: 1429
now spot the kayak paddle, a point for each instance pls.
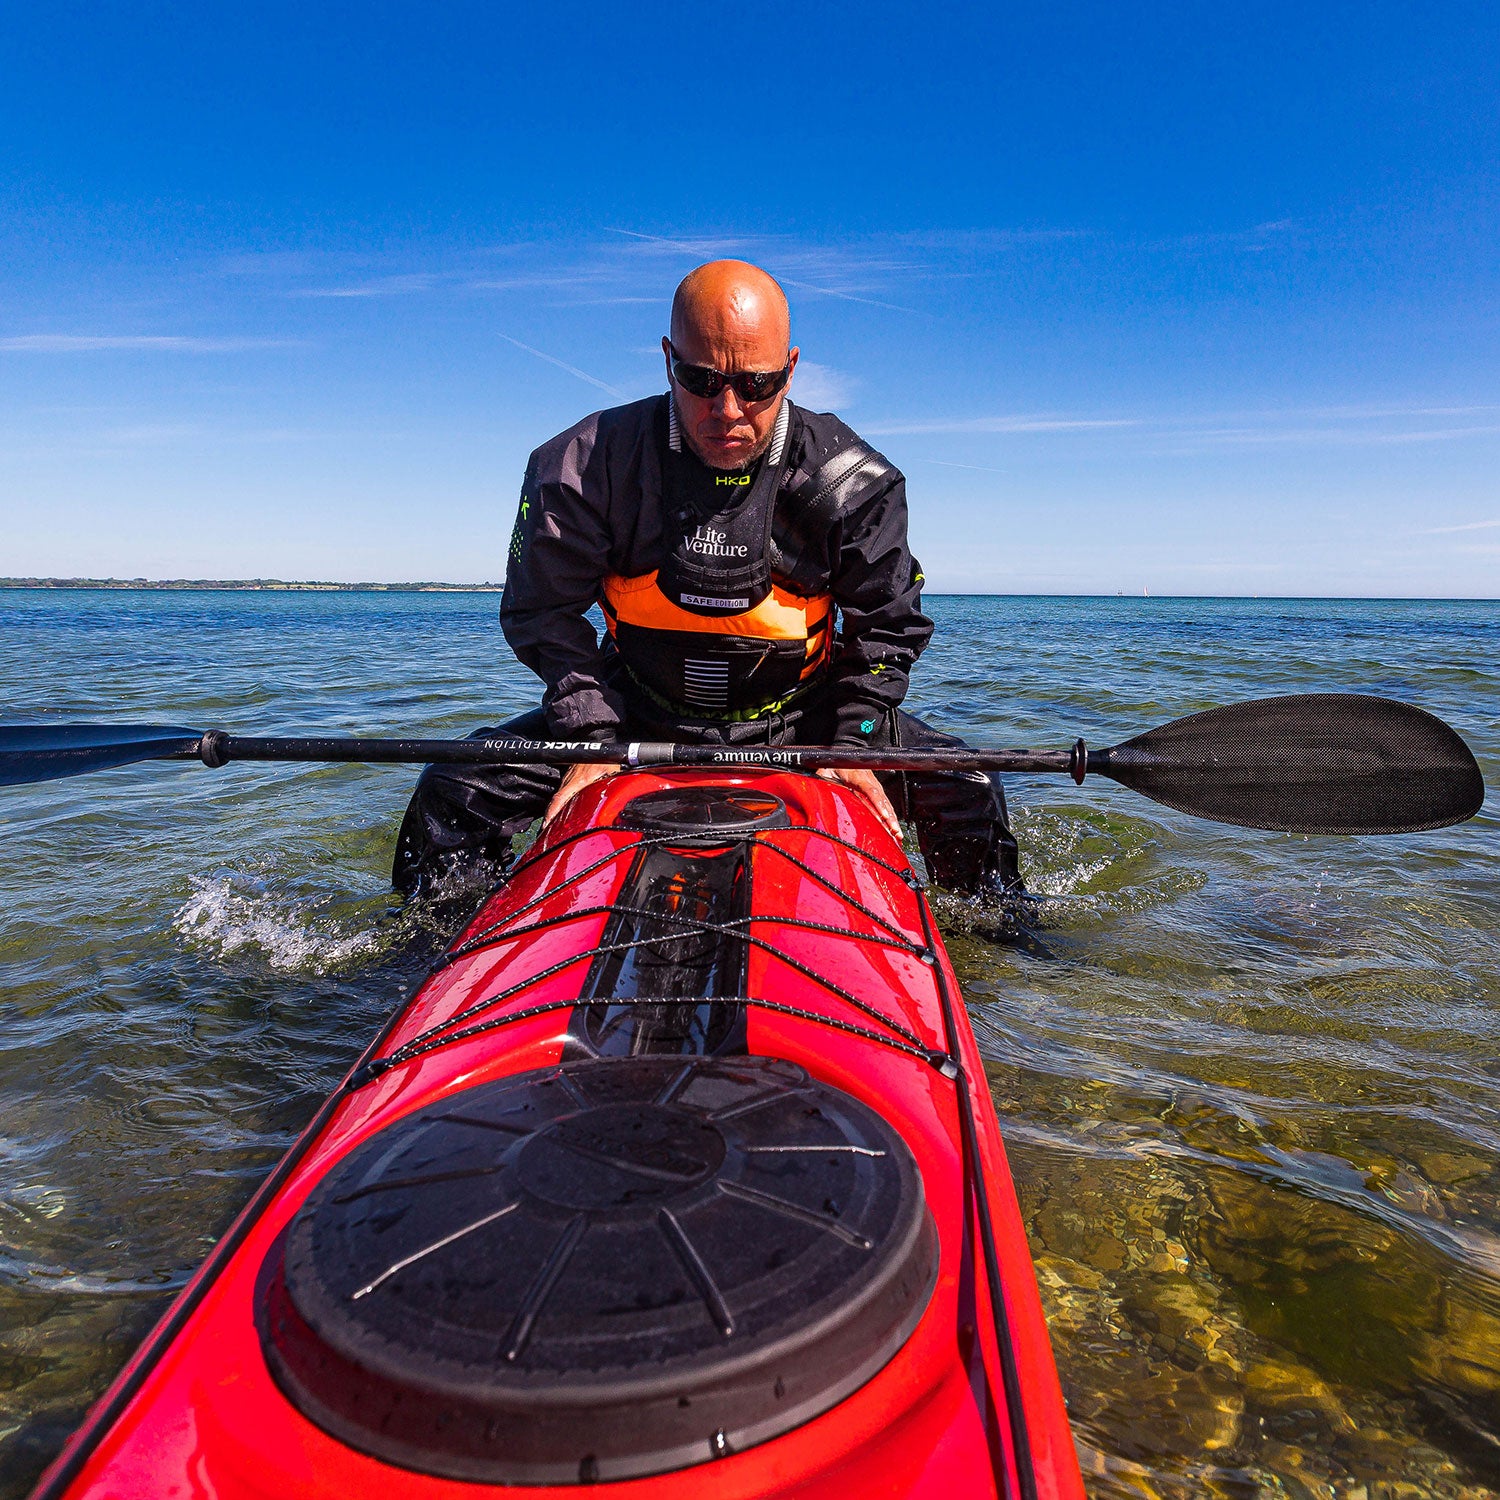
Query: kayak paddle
x: 1306, y: 763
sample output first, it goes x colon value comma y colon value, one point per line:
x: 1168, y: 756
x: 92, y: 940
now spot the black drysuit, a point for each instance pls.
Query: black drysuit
x: 614, y: 505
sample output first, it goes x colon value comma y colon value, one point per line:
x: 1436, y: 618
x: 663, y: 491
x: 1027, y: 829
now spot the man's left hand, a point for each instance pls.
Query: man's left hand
x: 577, y: 778
x: 868, y: 786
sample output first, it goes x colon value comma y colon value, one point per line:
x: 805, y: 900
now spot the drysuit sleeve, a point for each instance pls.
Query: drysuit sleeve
x: 553, y: 576
x: 878, y: 589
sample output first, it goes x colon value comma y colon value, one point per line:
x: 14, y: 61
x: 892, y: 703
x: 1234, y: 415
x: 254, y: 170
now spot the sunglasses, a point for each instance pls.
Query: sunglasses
x: 748, y: 385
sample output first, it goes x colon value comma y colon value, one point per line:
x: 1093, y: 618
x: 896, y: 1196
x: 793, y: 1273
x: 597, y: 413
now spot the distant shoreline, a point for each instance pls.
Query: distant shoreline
x: 297, y: 586
x: 279, y: 585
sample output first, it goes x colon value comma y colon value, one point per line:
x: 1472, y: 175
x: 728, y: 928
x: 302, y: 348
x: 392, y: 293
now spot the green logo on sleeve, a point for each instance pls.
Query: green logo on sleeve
x: 517, y: 535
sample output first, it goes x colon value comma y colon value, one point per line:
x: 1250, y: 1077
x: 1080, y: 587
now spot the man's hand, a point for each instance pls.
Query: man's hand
x: 574, y: 782
x: 866, y: 784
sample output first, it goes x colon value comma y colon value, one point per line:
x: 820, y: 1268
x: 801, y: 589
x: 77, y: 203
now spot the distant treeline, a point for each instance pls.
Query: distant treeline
x: 245, y: 583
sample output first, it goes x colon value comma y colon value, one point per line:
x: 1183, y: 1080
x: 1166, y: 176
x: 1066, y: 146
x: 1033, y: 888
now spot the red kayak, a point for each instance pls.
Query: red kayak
x: 679, y: 1174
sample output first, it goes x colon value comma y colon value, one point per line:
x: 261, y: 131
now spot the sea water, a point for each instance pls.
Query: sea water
x: 1249, y: 1082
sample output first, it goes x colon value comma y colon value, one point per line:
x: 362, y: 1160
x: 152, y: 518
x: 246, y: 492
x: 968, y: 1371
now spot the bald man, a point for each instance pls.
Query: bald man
x: 751, y: 563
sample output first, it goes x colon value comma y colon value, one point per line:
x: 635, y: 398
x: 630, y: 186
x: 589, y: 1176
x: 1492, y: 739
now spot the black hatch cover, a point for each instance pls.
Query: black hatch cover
x: 727, y: 811
x: 609, y: 1269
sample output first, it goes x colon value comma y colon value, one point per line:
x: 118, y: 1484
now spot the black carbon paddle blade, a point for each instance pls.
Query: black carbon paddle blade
x: 43, y: 752
x: 1311, y: 763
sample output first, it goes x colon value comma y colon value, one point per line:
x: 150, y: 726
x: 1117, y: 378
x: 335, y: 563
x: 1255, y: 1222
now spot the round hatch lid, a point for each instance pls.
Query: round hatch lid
x: 599, y: 1271
x: 705, y: 809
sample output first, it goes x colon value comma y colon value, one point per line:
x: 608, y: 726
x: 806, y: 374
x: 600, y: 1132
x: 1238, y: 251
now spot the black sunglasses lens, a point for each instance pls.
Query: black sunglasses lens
x: 755, y: 385
x: 697, y: 380
x: 760, y: 385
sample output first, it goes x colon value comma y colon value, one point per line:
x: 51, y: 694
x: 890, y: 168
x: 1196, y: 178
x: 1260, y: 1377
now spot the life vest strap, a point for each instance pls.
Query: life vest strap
x: 738, y: 716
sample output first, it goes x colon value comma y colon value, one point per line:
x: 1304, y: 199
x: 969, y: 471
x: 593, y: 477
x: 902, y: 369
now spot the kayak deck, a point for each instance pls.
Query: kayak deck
x: 760, y: 921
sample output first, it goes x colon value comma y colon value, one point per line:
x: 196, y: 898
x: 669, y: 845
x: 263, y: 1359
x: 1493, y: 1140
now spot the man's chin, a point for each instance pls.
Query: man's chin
x: 727, y: 456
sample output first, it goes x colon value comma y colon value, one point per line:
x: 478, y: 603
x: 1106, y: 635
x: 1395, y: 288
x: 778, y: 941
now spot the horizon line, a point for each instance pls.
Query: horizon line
x: 19, y: 584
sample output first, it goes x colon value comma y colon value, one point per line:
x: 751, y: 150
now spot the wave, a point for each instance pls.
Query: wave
x: 231, y: 913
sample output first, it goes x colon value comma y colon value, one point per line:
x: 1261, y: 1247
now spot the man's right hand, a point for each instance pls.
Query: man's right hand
x: 574, y: 782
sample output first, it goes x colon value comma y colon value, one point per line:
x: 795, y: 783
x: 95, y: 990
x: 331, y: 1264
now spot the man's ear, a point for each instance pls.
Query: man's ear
x: 666, y: 354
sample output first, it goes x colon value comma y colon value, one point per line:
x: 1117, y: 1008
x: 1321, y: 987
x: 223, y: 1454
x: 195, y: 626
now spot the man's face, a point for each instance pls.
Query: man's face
x: 724, y: 431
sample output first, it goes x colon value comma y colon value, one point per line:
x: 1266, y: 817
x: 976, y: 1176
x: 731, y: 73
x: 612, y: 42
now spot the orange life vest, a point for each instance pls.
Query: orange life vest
x: 743, y: 665
x: 712, y: 632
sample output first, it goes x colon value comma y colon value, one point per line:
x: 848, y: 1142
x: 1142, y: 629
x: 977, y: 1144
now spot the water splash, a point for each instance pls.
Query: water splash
x: 232, y: 913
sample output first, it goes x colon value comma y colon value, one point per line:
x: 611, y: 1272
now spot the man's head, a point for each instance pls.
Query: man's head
x: 731, y: 317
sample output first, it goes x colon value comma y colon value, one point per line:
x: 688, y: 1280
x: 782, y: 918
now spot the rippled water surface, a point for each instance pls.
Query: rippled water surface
x: 1250, y: 1082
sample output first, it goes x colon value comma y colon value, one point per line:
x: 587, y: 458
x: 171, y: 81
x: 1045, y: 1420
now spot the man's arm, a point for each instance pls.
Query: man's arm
x: 877, y: 586
x: 558, y: 554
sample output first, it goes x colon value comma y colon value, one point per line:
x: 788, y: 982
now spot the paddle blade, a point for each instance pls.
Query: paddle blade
x: 43, y: 752
x: 1311, y: 763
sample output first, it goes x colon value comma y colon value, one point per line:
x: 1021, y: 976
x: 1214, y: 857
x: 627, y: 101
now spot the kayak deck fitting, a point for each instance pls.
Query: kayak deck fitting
x: 679, y: 1171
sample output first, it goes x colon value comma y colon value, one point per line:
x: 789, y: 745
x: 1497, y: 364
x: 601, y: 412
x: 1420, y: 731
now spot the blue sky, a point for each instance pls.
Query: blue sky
x: 1195, y: 298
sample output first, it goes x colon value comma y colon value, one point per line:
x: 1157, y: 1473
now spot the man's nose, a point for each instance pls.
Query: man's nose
x: 727, y: 405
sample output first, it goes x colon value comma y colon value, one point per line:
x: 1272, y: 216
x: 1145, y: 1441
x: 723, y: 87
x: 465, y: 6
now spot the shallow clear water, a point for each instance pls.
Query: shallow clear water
x: 1249, y: 1081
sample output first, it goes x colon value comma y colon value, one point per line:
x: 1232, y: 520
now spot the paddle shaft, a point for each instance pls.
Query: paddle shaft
x: 1303, y: 763
x: 217, y: 748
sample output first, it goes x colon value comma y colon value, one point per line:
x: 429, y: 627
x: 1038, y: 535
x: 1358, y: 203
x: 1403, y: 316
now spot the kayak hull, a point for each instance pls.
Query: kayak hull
x: 834, y: 971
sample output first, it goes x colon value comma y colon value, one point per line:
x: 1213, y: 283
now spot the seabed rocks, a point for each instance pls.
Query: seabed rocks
x: 1220, y: 1336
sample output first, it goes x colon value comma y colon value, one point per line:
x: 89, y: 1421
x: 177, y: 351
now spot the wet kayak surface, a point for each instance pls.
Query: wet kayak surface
x: 1248, y: 1081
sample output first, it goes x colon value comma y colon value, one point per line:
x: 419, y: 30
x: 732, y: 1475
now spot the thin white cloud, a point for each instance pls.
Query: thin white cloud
x: 549, y: 282
x: 1467, y: 526
x: 380, y: 286
x: 1374, y: 413
x: 1194, y: 439
x: 779, y: 256
x: 90, y: 343
x: 1041, y: 423
x: 1255, y: 237
x: 151, y: 434
x: 562, y: 365
x: 843, y: 296
x: 1311, y: 427
x: 166, y: 434
x: 1433, y: 434
x: 981, y: 240
x: 700, y: 248
x: 821, y: 387
x: 944, y: 463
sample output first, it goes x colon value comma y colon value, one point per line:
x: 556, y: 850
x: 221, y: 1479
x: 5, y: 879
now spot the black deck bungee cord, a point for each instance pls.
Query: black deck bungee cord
x: 691, y: 927
x: 493, y: 935
x: 651, y: 841
x: 377, y: 1067
x: 729, y: 925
